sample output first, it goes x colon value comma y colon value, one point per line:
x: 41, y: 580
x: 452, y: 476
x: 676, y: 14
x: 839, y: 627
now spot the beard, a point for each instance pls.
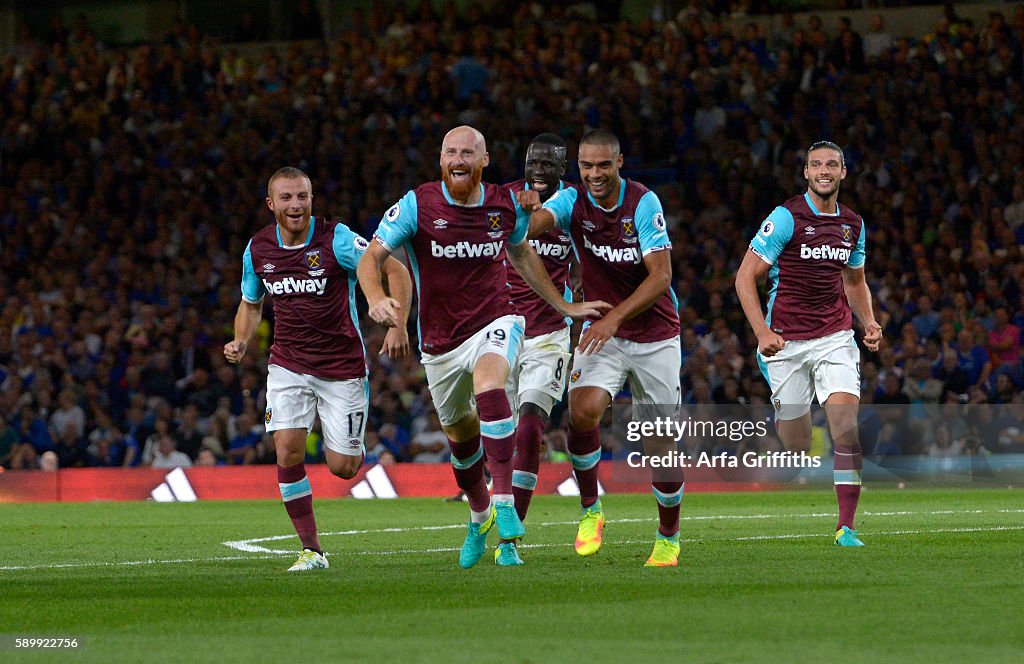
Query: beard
x: 462, y: 189
x: 825, y: 191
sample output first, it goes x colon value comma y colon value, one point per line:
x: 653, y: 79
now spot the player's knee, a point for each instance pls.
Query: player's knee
x: 531, y: 408
x: 796, y: 443
x: 289, y: 458
x: 795, y: 434
x: 584, y: 419
x: 490, y: 373
x: 487, y: 383
x: 346, y: 467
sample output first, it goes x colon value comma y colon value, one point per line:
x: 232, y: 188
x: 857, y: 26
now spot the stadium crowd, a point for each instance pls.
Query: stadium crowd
x: 131, y: 177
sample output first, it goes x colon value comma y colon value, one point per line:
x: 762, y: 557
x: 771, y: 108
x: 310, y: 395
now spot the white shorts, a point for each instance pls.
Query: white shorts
x: 450, y: 375
x: 652, y: 369
x: 294, y: 400
x: 540, y: 372
x: 803, y: 369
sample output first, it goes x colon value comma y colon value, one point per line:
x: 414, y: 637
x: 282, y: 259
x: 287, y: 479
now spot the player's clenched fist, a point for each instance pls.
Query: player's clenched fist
x: 873, y: 336
x: 528, y: 199
x: 234, y: 351
x: 769, y: 343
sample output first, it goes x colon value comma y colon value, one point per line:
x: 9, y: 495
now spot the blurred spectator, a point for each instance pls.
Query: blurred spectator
x: 168, y: 456
x: 952, y: 373
x: 945, y: 445
x: 49, y: 462
x: 187, y: 434
x: 1004, y: 344
x: 10, y: 442
x: 877, y: 42
x: 68, y: 414
x: 71, y: 447
x: 207, y: 458
x: 429, y: 445
x: 161, y: 430
x: 242, y: 446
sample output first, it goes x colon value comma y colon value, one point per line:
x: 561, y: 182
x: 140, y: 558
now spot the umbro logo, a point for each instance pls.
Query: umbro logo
x: 440, y: 223
x: 589, y: 225
x: 269, y: 267
x: 809, y: 230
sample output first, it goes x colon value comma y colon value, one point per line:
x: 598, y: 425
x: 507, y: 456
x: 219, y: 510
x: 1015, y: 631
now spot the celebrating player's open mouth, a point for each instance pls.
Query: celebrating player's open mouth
x: 462, y: 179
x: 824, y: 186
x: 598, y: 187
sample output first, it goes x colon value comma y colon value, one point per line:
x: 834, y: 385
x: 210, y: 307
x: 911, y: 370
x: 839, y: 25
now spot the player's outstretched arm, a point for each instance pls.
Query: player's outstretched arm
x: 859, y: 296
x: 526, y: 261
x: 396, y: 341
x: 752, y: 270
x: 383, y: 309
x: 541, y: 220
x: 247, y: 319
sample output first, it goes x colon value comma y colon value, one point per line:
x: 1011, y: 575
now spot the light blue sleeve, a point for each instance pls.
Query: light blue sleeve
x: 522, y: 222
x: 773, y: 236
x: 561, y: 204
x: 859, y: 255
x: 399, y: 223
x: 650, y: 224
x: 348, y: 247
x: 252, y: 286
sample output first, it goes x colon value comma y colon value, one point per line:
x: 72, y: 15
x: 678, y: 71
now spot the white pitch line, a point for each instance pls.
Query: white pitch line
x: 980, y: 529
x: 251, y: 546
x: 129, y: 563
x: 178, y: 561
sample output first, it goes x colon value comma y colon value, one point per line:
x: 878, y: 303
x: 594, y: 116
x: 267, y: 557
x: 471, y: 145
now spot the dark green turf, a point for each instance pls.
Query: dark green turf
x: 942, y: 583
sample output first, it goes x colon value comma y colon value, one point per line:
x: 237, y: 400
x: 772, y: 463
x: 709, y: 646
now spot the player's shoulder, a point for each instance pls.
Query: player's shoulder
x: 427, y: 190
x: 848, y: 215
x: 264, y: 237
x: 492, y: 189
x: 795, y: 205
x: 572, y: 191
x: 498, y: 194
x: 637, y: 189
x: 338, y: 229
x: 328, y: 226
x: 516, y: 185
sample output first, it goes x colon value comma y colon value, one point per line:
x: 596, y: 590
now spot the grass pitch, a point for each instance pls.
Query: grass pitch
x: 941, y: 579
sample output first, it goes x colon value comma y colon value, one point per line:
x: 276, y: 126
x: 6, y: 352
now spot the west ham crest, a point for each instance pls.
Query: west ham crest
x: 313, y: 259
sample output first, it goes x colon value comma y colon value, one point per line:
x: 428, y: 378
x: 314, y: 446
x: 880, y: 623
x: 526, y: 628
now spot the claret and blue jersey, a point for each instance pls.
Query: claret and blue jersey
x: 555, y: 251
x: 457, y: 256
x: 313, y: 286
x: 610, y: 245
x: 808, y: 250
